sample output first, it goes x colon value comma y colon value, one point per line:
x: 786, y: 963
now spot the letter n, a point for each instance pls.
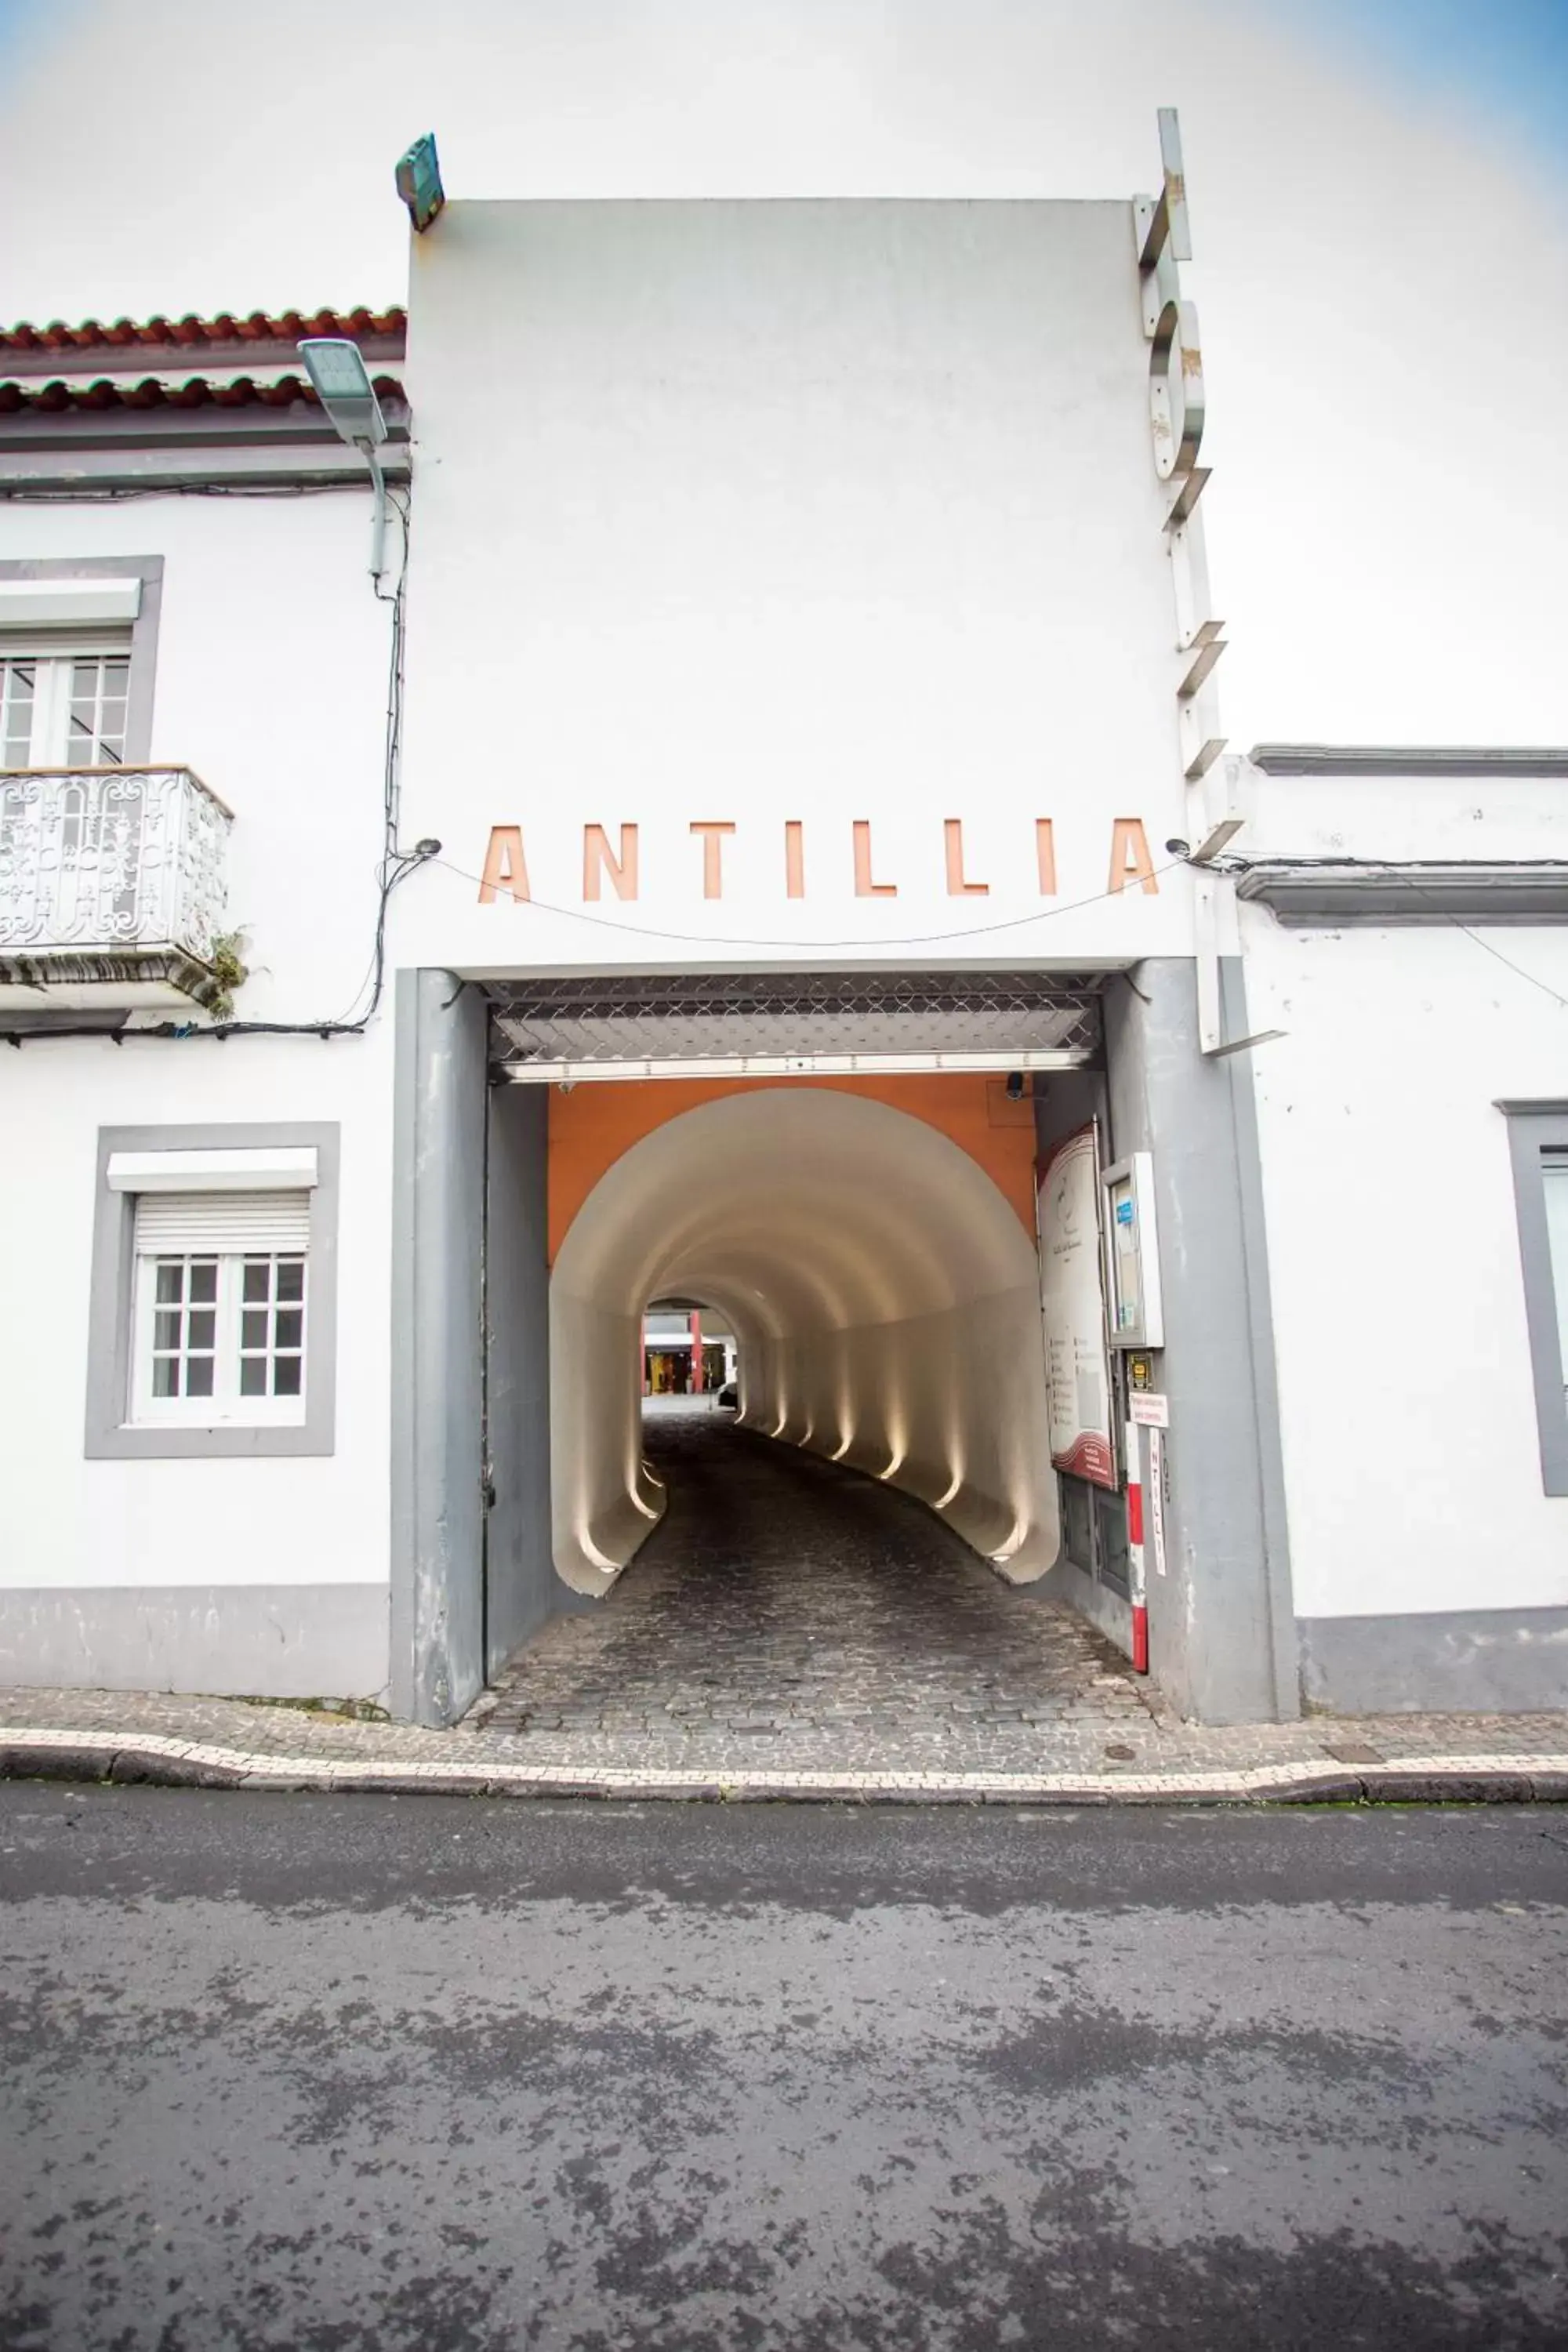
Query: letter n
x: 597, y: 861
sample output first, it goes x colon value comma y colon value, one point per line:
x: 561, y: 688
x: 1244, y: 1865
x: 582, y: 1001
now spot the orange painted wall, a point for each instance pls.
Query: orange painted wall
x: 591, y: 1127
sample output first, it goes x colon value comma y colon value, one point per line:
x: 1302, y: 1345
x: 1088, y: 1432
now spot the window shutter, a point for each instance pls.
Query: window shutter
x: 60, y: 645
x: 171, y: 1223
x: 67, y: 602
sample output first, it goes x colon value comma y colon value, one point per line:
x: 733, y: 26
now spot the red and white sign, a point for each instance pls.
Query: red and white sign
x: 1136, y: 1583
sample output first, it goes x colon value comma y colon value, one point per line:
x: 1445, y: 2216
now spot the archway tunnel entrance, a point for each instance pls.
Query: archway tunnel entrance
x: 844, y: 1172
x: 881, y: 1287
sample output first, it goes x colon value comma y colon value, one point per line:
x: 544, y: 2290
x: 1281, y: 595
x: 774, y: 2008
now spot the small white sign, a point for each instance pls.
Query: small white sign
x: 1150, y: 1410
x: 1157, y: 1497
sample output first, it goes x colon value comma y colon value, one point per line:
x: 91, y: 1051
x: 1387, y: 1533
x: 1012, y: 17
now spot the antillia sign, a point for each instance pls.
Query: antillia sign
x: 612, y: 861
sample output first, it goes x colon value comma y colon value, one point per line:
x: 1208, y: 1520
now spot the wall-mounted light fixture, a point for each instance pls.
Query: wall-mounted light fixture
x: 418, y: 180
x: 337, y: 371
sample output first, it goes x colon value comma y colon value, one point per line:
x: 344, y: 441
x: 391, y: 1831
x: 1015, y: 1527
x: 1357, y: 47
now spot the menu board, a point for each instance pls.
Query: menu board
x: 1072, y: 1304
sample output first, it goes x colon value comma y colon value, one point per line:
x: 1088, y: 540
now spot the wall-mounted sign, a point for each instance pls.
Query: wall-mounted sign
x: 1137, y: 1319
x: 612, y: 861
x: 1072, y: 1305
x: 1157, y: 1476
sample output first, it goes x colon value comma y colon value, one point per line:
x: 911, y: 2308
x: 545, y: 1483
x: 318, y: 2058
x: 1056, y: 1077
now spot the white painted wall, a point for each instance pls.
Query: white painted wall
x: 762, y: 512
x: 885, y: 1299
x: 1444, y: 817
x: 1412, y: 1469
x: 271, y: 684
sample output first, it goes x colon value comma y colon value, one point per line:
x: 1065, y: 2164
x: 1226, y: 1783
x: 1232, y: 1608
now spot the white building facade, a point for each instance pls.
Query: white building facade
x: 773, y: 847
x: 145, y: 1540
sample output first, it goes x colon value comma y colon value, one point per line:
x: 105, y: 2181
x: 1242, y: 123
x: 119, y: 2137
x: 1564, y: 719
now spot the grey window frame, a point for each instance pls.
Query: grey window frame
x: 1534, y: 1130
x: 112, y: 1308
x: 149, y: 569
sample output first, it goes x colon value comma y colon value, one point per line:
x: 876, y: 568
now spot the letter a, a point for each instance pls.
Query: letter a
x: 1130, y: 858
x: 506, y: 869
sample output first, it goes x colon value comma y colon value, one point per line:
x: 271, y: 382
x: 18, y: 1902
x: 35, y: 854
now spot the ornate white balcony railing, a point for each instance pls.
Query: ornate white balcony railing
x: 111, y: 876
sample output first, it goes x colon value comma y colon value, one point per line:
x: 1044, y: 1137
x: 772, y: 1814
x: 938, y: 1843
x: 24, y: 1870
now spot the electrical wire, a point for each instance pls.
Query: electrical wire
x: 1234, y: 864
x: 1508, y: 961
x: 116, y: 493
x: 719, y: 940
x: 395, y: 864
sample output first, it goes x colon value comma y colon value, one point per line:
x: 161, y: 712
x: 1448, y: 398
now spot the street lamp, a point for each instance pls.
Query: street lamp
x: 336, y: 369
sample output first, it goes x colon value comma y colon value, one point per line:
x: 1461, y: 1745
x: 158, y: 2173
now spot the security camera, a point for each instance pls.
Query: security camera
x: 1177, y: 848
x: 428, y: 847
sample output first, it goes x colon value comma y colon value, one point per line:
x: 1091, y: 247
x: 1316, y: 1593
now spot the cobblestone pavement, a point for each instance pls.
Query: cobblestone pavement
x: 792, y: 1627
x: 802, y: 1611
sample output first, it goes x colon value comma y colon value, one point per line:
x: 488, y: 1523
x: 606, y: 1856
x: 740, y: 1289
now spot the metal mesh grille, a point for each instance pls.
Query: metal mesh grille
x: 726, y: 1016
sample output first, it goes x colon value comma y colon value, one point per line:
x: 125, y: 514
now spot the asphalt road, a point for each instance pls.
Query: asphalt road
x: 311, y: 2072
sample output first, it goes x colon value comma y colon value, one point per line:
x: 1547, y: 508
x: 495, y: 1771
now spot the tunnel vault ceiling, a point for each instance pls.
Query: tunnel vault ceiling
x: 717, y: 1021
x: 883, y: 1293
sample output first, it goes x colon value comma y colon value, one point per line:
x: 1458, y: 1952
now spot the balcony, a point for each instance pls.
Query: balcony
x: 112, y: 884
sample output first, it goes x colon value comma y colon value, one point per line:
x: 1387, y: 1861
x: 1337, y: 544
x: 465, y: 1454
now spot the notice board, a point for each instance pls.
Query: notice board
x: 1072, y: 1305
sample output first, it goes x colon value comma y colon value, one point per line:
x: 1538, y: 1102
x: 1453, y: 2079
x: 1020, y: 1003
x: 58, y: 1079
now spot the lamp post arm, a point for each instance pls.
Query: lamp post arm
x: 378, y: 521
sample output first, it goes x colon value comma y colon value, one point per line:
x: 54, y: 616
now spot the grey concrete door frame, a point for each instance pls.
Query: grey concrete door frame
x: 439, y: 1115
x: 469, y: 1229
x: 472, y: 1572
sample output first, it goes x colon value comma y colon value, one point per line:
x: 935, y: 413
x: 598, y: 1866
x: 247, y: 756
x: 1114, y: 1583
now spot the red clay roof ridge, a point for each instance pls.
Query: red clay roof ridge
x: 223, y: 327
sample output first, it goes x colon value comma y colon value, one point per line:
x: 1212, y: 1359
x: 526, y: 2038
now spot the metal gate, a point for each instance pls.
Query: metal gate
x: 786, y: 1025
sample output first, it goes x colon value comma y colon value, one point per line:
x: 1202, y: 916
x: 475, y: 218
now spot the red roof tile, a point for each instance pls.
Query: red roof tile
x: 286, y: 327
x: 195, y: 393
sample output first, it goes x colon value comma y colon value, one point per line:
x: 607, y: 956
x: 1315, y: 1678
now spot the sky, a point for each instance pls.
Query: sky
x: 1376, y: 199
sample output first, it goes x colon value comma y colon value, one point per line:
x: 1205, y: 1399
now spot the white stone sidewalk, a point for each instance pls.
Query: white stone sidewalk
x: 152, y: 1737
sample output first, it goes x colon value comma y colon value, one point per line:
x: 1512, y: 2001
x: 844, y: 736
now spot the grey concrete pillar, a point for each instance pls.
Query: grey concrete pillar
x: 1222, y: 1632
x: 523, y: 1587
x: 437, y: 1387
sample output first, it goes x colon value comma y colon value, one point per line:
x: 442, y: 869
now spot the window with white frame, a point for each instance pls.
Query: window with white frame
x: 220, y: 1287
x: 220, y: 1308
x: 1538, y: 1143
x: 65, y: 704
x: 212, y: 1309
x: 1554, y: 1184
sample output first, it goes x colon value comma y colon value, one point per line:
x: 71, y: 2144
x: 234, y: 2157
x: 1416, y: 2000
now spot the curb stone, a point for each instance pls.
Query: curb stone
x: 29, y: 1762
x: 150, y: 1759
x: 1418, y: 1787
x: 130, y: 1767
